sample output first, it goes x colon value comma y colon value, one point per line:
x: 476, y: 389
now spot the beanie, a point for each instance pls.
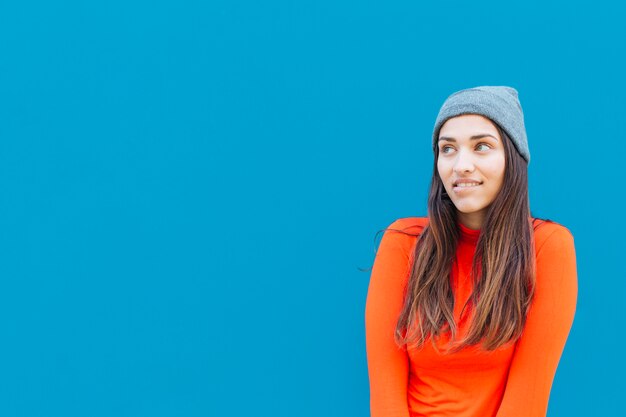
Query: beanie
x: 500, y: 104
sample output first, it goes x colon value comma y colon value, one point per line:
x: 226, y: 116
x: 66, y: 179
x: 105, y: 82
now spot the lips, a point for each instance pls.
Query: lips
x: 459, y: 186
x: 467, y: 182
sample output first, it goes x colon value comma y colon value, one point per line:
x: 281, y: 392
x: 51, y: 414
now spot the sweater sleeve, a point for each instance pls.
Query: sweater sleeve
x: 388, y: 365
x: 548, y: 323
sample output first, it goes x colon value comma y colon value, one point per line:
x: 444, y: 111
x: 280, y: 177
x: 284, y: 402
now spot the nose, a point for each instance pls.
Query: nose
x: 463, y: 163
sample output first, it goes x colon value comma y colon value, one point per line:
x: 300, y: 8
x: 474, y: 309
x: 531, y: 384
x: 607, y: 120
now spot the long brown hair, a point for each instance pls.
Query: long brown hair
x: 503, y: 267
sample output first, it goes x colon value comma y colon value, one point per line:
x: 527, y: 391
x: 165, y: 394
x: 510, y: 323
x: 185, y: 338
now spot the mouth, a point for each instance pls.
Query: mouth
x: 465, y: 186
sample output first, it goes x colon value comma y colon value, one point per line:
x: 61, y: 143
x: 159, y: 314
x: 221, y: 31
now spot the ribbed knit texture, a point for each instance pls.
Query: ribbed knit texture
x: 499, y: 103
x: 512, y: 381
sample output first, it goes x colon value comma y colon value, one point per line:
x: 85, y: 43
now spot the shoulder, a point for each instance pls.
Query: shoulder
x: 551, y: 236
x: 556, y: 277
x: 410, y: 225
x: 404, y: 232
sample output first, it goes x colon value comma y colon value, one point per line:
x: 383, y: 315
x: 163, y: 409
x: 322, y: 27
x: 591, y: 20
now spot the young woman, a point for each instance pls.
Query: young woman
x: 468, y: 309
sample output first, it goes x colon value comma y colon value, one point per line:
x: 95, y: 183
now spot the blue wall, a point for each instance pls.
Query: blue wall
x: 188, y: 191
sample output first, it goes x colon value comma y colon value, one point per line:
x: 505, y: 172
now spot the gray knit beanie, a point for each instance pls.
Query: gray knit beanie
x: 498, y: 103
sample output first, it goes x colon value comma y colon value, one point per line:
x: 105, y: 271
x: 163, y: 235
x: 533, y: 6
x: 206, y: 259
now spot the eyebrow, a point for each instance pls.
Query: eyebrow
x: 475, y: 137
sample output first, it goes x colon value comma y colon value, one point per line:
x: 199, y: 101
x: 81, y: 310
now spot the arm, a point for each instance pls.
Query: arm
x: 549, y: 320
x: 388, y: 364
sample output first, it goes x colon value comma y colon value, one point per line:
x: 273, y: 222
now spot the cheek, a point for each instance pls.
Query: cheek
x: 496, y: 166
x: 442, y: 169
x: 496, y: 172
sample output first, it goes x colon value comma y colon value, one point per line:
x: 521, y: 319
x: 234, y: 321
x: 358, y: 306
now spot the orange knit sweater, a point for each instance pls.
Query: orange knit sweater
x: 512, y: 381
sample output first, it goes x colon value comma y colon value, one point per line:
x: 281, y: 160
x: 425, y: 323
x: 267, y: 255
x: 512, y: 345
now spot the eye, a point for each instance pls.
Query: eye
x: 483, y: 143
x: 443, y: 148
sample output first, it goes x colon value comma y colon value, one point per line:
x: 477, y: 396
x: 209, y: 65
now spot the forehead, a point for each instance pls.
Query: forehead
x: 467, y: 125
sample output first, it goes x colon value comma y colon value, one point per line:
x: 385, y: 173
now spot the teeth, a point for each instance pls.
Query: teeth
x: 465, y: 184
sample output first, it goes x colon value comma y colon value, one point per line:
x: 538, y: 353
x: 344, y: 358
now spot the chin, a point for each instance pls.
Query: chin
x: 469, y: 208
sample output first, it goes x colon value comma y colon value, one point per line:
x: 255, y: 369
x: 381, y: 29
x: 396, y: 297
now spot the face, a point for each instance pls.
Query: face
x: 471, y: 150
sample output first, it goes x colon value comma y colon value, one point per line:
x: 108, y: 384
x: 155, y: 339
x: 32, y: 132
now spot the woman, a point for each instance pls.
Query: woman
x: 468, y: 309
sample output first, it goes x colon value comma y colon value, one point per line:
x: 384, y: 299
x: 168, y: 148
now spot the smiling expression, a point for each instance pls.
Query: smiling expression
x: 471, y: 152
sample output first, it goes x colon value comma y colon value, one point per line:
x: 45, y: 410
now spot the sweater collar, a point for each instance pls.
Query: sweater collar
x: 468, y: 235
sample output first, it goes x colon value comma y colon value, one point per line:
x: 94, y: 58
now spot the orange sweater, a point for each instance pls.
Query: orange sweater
x: 513, y: 381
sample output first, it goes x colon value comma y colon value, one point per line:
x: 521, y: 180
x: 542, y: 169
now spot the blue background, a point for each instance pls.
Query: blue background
x: 188, y: 191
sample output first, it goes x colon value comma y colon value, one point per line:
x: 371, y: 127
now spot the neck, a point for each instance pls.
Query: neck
x: 472, y: 220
